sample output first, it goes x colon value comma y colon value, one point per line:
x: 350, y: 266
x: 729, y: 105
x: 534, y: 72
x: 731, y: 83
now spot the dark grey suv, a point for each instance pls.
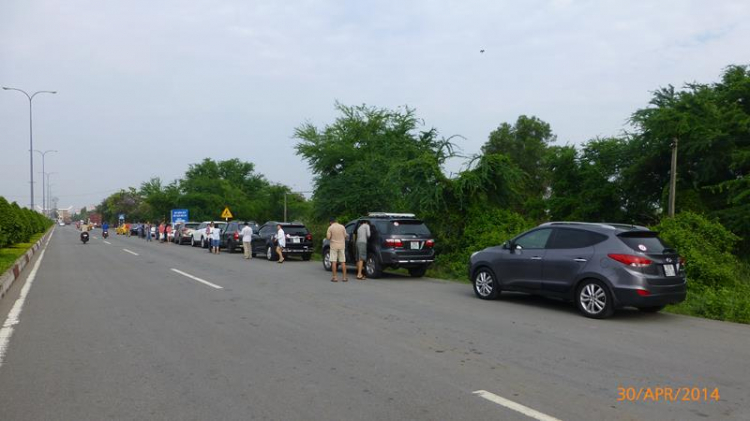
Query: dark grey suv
x: 600, y: 267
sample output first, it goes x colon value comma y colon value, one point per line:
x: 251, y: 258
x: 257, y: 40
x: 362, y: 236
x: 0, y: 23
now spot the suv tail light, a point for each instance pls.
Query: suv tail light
x: 236, y: 236
x: 308, y: 237
x: 429, y: 243
x: 630, y: 260
x: 394, y: 242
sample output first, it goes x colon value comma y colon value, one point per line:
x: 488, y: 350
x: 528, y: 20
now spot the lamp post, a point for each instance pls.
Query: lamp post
x: 31, y: 136
x: 49, y: 192
x: 44, y: 196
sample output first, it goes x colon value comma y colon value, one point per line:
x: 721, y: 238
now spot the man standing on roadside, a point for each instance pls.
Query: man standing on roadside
x: 247, y: 238
x: 280, y: 243
x: 147, y: 231
x: 336, y: 234
x: 363, y: 235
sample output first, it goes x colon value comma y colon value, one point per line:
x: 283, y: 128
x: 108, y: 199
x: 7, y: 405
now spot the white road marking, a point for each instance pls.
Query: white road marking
x: 197, y: 279
x: 6, y: 331
x: 531, y: 413
x: 131, y: 252
x: 107, y: 242
x: 96, y: 238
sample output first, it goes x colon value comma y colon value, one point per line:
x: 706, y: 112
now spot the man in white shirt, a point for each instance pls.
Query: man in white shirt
x: 280, y: 243
x: 247, y: 238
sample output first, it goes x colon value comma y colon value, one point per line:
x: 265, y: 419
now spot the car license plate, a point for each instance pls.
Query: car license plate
x: 669, y: 270
x: 415, y: 245
x: 295, y: 240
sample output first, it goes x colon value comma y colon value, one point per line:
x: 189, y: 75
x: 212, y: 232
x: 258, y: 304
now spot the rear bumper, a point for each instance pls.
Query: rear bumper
x: 660, y: 296
x: 404, y: 260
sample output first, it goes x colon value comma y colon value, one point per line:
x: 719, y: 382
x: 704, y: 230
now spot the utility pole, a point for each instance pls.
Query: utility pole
x: 673, y: 178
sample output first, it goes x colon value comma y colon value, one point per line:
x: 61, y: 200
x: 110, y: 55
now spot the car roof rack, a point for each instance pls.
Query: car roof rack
x: 607, y: 225
x: 391, y: 215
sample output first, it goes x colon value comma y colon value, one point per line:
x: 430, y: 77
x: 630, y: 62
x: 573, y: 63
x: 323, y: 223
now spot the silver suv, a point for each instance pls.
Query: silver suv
x: 600, y: 267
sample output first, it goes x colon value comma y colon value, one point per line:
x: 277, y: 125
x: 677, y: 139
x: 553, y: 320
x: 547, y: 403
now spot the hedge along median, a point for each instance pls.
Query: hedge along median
x: 21, y: 234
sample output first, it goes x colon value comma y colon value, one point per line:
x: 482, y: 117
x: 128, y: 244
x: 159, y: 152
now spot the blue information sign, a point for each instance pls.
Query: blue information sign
x: 179, y: 215
x: 122, y: 216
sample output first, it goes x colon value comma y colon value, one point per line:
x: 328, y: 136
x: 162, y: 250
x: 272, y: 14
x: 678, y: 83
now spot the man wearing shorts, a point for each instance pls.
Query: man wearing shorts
x: 363, y: 235
x: 336, y: 234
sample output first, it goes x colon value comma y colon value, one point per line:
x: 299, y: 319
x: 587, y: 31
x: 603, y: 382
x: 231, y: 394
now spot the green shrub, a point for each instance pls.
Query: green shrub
x: 706, y: 246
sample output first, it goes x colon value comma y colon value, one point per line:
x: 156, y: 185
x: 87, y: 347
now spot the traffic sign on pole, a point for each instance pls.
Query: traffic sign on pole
x: 226, y: 214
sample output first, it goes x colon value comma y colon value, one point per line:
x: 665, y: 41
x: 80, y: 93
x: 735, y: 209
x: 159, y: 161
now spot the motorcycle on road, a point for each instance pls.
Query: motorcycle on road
x: 85, y: 237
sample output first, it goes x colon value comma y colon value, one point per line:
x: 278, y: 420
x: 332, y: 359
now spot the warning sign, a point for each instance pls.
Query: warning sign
x: 226, y: 214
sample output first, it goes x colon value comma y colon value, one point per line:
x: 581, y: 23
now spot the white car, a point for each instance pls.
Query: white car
x: 199, y: 237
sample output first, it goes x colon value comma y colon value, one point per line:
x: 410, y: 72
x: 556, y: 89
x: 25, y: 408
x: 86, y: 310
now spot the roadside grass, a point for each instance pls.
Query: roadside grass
x: 9, y: 255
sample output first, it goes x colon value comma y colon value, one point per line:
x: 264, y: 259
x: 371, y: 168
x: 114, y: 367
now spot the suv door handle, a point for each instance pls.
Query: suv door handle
x: 580, y: 260
x: 536, y: 257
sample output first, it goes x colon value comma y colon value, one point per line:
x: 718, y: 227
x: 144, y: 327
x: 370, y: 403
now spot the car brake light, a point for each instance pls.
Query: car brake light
x: 429, y: 243
x: 236, y: 236
x: 682, y: 261
x: 630, y: 260
x: 642, y: 292
x: 394, y: 242
x: 308, y: 237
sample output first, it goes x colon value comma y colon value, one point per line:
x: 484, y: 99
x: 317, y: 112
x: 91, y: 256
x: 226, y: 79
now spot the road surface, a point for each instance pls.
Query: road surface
x: 129, y: 330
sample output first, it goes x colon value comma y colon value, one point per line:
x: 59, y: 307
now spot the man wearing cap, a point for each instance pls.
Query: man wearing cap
x: 336, y: 234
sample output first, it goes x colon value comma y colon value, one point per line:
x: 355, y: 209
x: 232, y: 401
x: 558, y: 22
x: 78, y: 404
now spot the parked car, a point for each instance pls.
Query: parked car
x: 199, y: 237
x: 134, y: 229
x: 397, y: 240
x: 230, y: 235
x: 299, y: 241
x: 183, y: 231
x: 600, y: 267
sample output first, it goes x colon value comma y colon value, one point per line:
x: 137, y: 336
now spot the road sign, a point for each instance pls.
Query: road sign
x: 179, y: 215
x: 226, y: 214
x: 122, y: 217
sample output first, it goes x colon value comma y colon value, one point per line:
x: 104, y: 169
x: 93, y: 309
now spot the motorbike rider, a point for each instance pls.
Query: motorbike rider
x: 105, y: 226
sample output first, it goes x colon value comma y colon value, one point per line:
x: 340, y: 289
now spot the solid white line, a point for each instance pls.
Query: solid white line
x: 107, y: 242
x: 531, y: 413
x: 131, y: 252
x: 15, y: 312
x: 197, y: 279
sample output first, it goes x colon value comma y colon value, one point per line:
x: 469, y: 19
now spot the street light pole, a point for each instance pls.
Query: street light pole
x: 673, y: 179
x: 44, y: 197
x: 31, y: 136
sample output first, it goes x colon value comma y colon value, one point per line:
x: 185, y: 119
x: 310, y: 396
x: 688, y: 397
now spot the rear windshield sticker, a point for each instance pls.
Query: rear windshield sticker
x: 395, y: 224
x: 641, y: 247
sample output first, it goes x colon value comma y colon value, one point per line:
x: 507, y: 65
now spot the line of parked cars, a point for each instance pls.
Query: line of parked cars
x: 598, y: 266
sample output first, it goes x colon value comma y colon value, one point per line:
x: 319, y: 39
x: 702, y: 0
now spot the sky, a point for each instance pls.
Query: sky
x: 146, y: 88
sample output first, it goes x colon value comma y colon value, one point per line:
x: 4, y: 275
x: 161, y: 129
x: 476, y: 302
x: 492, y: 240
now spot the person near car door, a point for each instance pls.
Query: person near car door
x: 247, y: 238
x: 336, y: 234
x: 215, y: 239
x: 363, y: 235
x: 280, y: 243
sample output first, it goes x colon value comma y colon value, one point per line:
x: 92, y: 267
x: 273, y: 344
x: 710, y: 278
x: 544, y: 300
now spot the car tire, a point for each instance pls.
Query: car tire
x: 192, y: 242
x: 594, y: 300
x: 203, y: 243
x: 485, y: 284
x: 230, y: 248
x: 373, y: 267
x: 418, y: 272
x: 651, y: 309
x: 327, y: 259
x: 271, y: 254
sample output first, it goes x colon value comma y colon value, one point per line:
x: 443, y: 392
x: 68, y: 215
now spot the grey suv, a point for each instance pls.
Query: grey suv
x: 600, y: 267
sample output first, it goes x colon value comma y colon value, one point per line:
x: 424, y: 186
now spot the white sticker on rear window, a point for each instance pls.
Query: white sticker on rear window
x: 395, y: 224
x: 641, y: 247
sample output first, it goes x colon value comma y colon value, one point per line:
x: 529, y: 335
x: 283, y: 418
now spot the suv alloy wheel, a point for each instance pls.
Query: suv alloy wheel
x: 485, y: 286
x: 373, y: 266
x: 594, y: 299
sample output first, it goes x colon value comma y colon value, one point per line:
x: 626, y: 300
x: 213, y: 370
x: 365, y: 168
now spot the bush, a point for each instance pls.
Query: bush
x: 718, y: 286
x: 17, y: 224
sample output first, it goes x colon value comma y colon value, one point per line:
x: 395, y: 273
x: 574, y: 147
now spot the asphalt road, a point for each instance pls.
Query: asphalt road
x: 107, y: 333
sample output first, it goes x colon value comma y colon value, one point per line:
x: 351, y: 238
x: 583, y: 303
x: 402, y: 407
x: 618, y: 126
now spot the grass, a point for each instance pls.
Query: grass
x: 9, y: 255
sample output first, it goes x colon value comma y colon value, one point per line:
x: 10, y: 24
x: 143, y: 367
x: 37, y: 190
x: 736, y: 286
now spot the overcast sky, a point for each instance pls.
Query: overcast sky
x: 148, y: 87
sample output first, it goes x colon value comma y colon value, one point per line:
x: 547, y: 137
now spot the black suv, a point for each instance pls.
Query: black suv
x: 599, y: 266
x: 397, y: 240
x: 231, y: 239
x: 299, y: 241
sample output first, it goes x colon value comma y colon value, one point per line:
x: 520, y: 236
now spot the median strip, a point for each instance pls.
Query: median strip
x: 525, y: 410
x: 131, y: 252
x: 195, y: 278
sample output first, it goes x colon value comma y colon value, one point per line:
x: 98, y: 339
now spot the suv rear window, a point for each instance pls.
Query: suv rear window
x: 643, y: 241
x: 403, y: 227
x: 566, y: 238
x: 295, y: 230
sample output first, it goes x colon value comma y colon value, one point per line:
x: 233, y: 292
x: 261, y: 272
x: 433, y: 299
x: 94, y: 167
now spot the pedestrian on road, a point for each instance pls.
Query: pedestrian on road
x: 127, y: 229
x: 167, y: 231
x: 363, y: 235
x: 161, y: 232
x: 336, y: 234
x: 280, y: 243
x: 141, y: 228
x: 247, y: 238
x: 147, y: 231
x: 215, y: 239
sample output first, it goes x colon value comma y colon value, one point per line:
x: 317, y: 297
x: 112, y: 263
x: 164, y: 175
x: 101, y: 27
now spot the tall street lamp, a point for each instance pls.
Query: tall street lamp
x: 44, y: 197
x: 31, y: 137
x: 49, y: 192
